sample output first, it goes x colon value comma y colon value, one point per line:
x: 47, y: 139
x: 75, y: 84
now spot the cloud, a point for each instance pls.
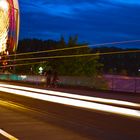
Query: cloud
x: 135, y: 2
x: 94, y: 21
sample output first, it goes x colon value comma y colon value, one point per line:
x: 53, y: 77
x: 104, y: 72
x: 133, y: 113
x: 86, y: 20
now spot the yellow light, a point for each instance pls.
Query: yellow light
x: 4, y: 5
x: 4, y: 24
x: 7, y: 135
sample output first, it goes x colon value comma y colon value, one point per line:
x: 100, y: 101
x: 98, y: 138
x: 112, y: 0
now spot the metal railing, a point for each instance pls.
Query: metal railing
x: 123, y: 83
x: 107, y: 82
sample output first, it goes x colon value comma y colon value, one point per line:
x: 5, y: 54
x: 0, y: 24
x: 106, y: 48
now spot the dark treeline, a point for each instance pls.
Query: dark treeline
x: 125, y: 64
x: 76, y: 66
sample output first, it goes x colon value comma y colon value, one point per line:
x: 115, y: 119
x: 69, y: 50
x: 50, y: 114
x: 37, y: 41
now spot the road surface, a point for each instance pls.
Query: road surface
x: 30, y: 118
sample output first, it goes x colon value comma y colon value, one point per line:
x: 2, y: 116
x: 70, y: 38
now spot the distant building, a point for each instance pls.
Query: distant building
x: 9, y: 25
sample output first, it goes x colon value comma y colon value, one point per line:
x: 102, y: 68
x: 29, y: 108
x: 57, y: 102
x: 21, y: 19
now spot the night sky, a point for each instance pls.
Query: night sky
x: 94, y: 21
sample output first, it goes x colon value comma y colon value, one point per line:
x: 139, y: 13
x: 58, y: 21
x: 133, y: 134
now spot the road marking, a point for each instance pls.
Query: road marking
x: 7, y: 135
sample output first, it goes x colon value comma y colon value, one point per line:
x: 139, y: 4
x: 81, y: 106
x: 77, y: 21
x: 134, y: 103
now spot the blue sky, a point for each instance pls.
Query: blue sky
x: 94, y: 21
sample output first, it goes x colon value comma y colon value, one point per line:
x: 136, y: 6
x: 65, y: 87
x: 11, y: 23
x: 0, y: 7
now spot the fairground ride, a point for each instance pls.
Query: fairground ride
x: 9, y: 28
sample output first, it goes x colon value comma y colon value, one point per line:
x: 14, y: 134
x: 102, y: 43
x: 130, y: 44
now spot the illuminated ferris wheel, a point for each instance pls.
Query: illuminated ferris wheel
x: 9, y: 25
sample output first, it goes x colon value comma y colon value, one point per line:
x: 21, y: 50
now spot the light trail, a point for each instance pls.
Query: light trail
x: 7, y: 135
x: 75, y: 55
x: 74, y: 96
x: 78, y: 47
x: 24, y: 64
x: 75, y: 102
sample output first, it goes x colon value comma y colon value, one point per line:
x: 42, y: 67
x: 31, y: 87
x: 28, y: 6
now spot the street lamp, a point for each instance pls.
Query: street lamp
x: 40, y: 70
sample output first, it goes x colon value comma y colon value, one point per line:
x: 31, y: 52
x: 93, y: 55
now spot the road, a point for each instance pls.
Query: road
x: 27, y: 117
x: 25, y: 126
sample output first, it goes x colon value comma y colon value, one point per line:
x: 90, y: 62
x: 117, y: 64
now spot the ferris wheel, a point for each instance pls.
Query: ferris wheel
x: 4, y: 24
x: 9, y: 25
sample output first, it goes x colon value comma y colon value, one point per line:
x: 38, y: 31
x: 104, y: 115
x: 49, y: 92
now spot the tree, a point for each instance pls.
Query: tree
x: 78, y: 66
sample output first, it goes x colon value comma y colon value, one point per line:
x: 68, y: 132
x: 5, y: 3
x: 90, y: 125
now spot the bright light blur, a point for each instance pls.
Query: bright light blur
x: 3, y: 40
x: 23, y: 77
x: 7, y: 135
x: 75, y: 96
x: 75, y: 102
x: 4, y: 24
x: 9, y: 22
x: 40, y: 70
x: 4, y: 5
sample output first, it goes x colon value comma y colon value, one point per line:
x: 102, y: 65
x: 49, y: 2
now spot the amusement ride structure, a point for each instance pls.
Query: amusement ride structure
x: 9, y: 28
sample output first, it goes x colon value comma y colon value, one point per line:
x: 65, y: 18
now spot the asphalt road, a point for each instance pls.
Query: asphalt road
x: 24, y: 125
x: 32, y: 119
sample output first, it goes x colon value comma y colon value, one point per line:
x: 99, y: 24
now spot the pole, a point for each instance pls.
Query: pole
x: 135, y: 85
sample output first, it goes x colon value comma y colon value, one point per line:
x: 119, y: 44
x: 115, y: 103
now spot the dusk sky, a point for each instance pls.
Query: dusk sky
x: 94, y: 21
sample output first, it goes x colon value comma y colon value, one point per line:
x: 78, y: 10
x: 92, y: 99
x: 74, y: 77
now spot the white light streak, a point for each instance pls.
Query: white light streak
x: 81, y: 97
x: 75, y: 102
x: 7, y: 135
x: 23, y: 77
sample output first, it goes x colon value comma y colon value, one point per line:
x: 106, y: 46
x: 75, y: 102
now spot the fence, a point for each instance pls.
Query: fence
x: 123, y: 83
x: 106, y: 82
